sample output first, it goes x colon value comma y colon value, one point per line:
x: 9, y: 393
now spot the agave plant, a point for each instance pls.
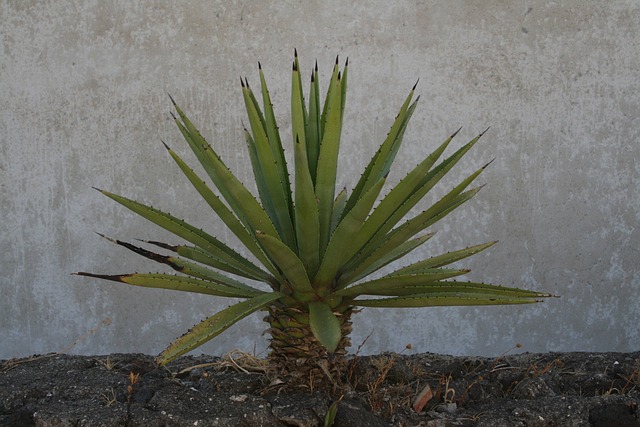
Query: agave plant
x: 314, y: 249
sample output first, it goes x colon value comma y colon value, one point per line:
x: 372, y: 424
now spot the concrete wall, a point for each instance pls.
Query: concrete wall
x: 83, y: 89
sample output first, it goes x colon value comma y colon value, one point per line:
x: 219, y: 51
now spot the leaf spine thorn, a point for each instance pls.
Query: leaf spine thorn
x: 488, y: 163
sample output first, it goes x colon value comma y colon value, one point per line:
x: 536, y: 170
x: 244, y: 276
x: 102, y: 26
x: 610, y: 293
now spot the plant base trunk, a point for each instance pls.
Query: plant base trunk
x: 297, y: 358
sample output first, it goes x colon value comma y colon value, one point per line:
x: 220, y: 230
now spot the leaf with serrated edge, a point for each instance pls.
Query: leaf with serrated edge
x: 241, y: 201
x: 338, y: 207
x: 341, y: 247
x: 383, y: 155
x: 189, y: 233
x: 215, y: 325
x: 413, y: 226
x: 288, y: 262
x: 273, y: 134
x: 328, y: 163
x: 444, y: 259
x: 271, y: 174
x: 223, y: 212
x: 446, y: 300
x: 199, y: 255
x: 381, y: 258
x: 313, y: 131
x: 387, y: 285
x: 185, y: 267
x: 396, y: 238
x: 306, y: 213
x: 177, y: 283
x: 382, y: 221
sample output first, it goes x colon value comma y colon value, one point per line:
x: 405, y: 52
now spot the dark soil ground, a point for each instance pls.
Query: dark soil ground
x: 554, y: 389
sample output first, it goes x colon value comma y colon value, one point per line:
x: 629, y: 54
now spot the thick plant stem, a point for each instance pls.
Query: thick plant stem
x: 296, y: 356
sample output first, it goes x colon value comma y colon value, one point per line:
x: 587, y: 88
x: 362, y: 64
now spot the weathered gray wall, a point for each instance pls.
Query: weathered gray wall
x: 83, y: 89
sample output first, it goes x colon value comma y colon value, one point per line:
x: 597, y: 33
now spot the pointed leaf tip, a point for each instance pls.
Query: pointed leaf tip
x: 105, y: 237
x: 415, y: 85
x: 259, y: 66
x: 485, y: 131
x: 456, y: 132
x: 488, y: 163
x: 295, y: 52
x: 171, y: 98
x: 241, y: 82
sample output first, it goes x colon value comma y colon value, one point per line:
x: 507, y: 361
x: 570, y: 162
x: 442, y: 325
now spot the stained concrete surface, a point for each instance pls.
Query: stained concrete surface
x: 84, y: 87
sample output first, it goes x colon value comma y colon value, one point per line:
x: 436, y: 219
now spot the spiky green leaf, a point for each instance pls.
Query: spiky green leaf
x: 380, y: 258
x: 328, y: 160
x: 394, y: 284
x: 341, y: 246
x: 313, y: 131
x: 240, y: 200
x: 178, y: 283
x: 306, y: 213
x: 288, y: 262
x: 185, y: 267
x: 273, y: 134
x: 191, y: 234
x: 215, y: 325
x: 381, y: 243
x: 458, y: 294
x: 223, y: 212
x: 380, y: 163
x: 444, y: 259
x: 391, y: 210
x: 200, y: 255
x: 339, y: 205
x: 271, y: 170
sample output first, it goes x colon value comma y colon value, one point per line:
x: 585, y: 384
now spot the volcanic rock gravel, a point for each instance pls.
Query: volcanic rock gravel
x: 553, y: 389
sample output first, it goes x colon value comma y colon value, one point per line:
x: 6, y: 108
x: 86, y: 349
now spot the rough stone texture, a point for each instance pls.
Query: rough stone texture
x: 83, y: 88
x: 579, y: 389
